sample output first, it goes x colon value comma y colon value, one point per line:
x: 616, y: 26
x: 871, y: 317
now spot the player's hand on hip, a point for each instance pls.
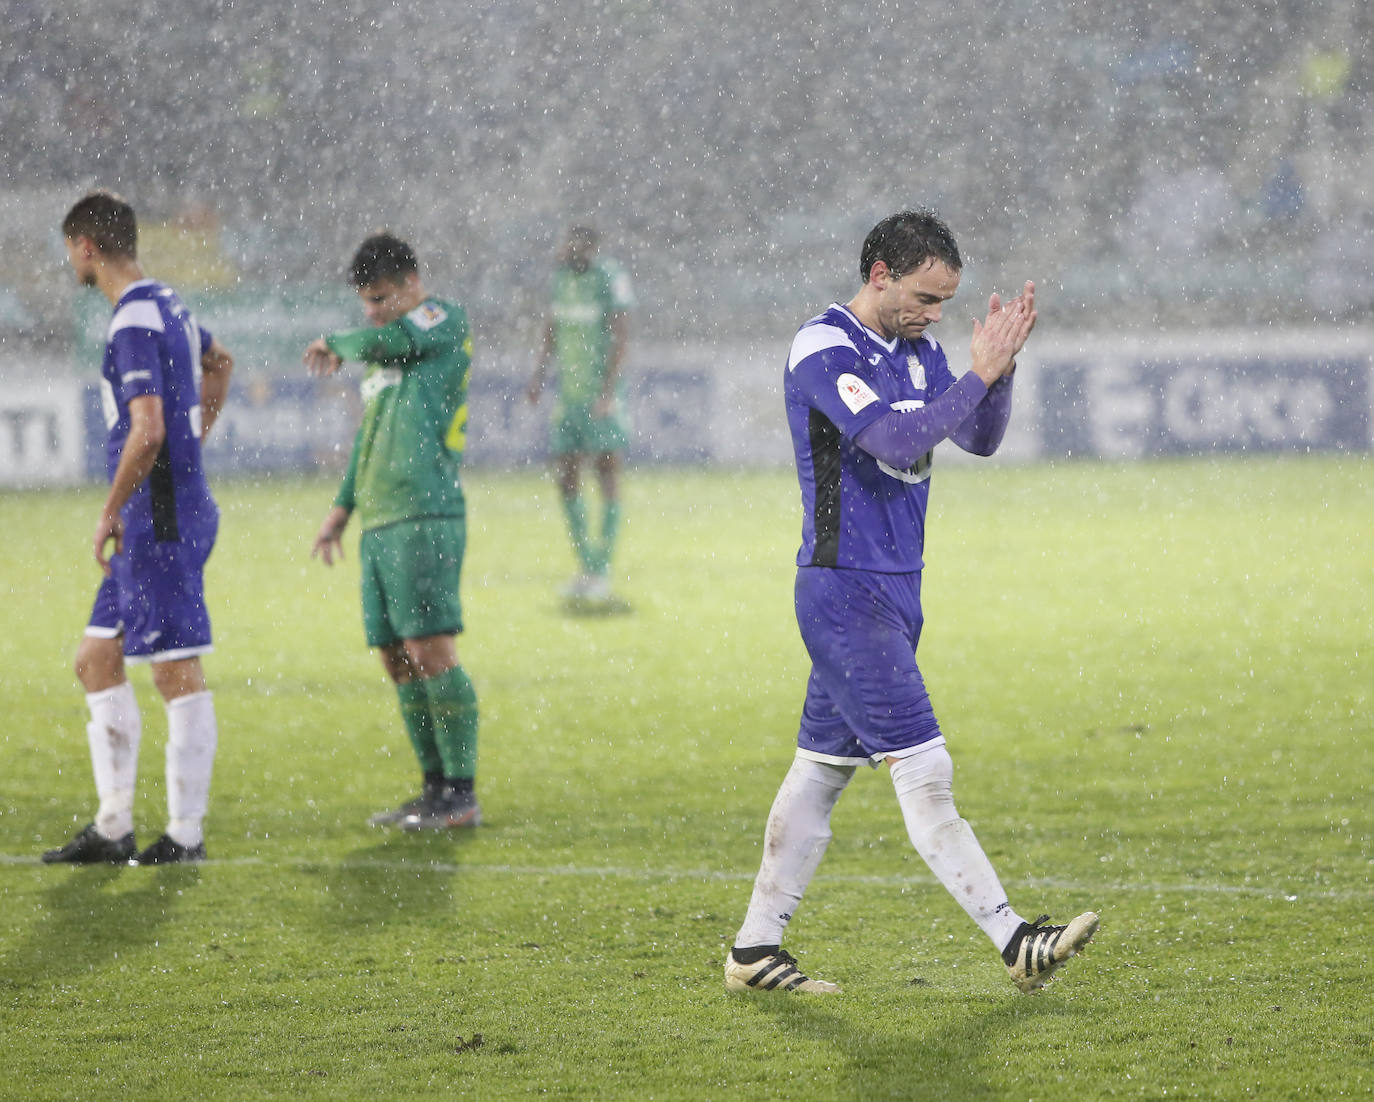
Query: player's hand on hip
x: 320, y: 359
x: 108, y: 528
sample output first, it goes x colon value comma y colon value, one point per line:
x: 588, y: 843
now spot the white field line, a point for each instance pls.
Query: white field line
x: 1296, y: 892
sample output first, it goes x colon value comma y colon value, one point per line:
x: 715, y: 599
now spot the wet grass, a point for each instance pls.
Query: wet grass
x: 1155, y: 680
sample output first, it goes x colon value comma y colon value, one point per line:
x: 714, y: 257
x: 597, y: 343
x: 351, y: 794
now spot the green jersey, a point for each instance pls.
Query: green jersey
x: 409, y: 447
x: 583, y: 305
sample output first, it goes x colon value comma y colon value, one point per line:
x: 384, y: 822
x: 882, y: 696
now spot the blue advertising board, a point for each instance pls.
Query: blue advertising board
x: 1130, y: 406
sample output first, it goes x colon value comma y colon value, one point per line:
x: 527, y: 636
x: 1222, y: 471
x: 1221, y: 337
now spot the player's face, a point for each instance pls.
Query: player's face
x: 909, y: 305
x: 81, y: 256
x: 385, y: 300
x: 578, y: 253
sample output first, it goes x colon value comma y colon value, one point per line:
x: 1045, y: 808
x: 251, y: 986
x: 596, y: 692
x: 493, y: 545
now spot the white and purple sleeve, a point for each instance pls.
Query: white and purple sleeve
x: 134, y: 344
x: 830, y: 376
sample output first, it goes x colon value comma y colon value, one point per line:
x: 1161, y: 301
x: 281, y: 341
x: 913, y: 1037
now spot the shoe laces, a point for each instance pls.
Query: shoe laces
x: 1032, y: 935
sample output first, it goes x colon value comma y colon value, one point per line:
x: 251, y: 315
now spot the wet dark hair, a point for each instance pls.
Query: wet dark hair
x: 107, y: 220
x: 906, y: 240
x: 382, y: 256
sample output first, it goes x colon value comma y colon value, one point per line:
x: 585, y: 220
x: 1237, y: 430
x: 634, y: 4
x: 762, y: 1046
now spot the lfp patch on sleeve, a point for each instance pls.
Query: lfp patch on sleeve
x: 854, y: 392
x: 427, y: 315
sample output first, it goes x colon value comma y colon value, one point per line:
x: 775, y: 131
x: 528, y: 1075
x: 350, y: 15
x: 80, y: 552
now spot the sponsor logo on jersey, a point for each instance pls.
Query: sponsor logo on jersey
x: 427, y: 315
x: 918, y: 372
x: 379, y: 381
x: 854, y: 392
x: 578, y: 313
x: 876, y: 359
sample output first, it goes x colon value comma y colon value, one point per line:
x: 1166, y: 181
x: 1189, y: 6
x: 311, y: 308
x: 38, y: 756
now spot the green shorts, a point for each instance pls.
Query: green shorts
x: 575, y: 429
x: 410, y: 579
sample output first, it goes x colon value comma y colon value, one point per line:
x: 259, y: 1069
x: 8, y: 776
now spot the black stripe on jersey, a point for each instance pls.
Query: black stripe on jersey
x: 164, y: 496
x: 825, y: 469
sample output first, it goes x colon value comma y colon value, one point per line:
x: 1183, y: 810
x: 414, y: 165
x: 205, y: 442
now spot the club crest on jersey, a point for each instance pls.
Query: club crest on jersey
x: 854, y: 392
x: 427, y: 315
x: 918, y: 372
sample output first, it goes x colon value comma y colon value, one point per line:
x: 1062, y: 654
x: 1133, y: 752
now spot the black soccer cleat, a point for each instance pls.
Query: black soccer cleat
x: 451, y: 810
x: 423, y: 804
x: 1037, y: 951
x: 166, y: 851
x: 90, y: 847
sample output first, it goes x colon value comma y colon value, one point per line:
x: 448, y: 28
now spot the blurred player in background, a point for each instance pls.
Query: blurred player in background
x: 163, y: 382
x: 869, y: 394
x: 586, y: 337
x: 403, y: 481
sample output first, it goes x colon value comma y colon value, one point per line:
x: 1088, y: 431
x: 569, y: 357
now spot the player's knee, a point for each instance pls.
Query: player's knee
x: 98, y: 664
x: 924, y: 784
x: 178, y: 678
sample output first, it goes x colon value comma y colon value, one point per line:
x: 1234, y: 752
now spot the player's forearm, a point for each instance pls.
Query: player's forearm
x: 136, y: 463
x: 981, y: 431
x: 615, y: 358
x: 216, y: 367
x: 900, y: 437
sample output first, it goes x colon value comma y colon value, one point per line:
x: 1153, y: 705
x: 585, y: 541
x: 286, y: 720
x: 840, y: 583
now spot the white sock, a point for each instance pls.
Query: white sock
x: 793, y: 844
x: 924, y: 785
x: 191, y: 739
x: 114, y: 733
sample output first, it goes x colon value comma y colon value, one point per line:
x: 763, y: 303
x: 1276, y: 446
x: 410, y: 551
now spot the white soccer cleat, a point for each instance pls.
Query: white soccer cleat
x: 577, y: 588
x: 598, y: 588
x: 777, y: 972
x: 1037, y: 951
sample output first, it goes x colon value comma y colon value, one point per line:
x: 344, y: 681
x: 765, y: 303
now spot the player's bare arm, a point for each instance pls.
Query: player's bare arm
x: 320, y: 359
x: 541, y: 371
x: 147, y: 431
x: 216, y: 366
x: 328, y: 544
x: 620, y: 332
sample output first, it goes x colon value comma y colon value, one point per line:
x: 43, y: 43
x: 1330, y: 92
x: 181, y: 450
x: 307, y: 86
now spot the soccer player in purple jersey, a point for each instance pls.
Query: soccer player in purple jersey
x: 163, y: 382
x: 869, y: 394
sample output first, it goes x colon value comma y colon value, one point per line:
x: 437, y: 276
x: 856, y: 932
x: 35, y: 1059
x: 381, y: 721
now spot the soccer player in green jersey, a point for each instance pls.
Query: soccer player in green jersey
x: 586, y: 337
x: 403, y: 482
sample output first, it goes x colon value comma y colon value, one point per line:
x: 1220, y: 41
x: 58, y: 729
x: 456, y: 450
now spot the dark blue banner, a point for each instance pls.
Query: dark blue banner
x: 1123, y: 407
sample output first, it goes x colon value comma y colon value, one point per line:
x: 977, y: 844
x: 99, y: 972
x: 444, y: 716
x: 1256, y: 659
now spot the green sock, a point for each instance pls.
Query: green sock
x: 610, y: 524
x: 415, y: 711
x: 576, y: 512
x: 453, y: 708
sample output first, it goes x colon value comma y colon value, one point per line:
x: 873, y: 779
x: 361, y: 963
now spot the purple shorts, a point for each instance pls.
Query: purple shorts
x: 866, y: 699
x: 155, y: 598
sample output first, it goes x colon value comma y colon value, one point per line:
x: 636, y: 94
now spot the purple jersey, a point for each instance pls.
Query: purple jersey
x: 154, y: 347
x: 858, y: 512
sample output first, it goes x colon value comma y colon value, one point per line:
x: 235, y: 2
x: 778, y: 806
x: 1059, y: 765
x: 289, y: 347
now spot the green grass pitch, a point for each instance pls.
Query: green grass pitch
x: 1156, y: 682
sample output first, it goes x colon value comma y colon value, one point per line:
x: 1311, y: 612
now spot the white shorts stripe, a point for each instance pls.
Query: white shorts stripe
x: 168, y: 655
